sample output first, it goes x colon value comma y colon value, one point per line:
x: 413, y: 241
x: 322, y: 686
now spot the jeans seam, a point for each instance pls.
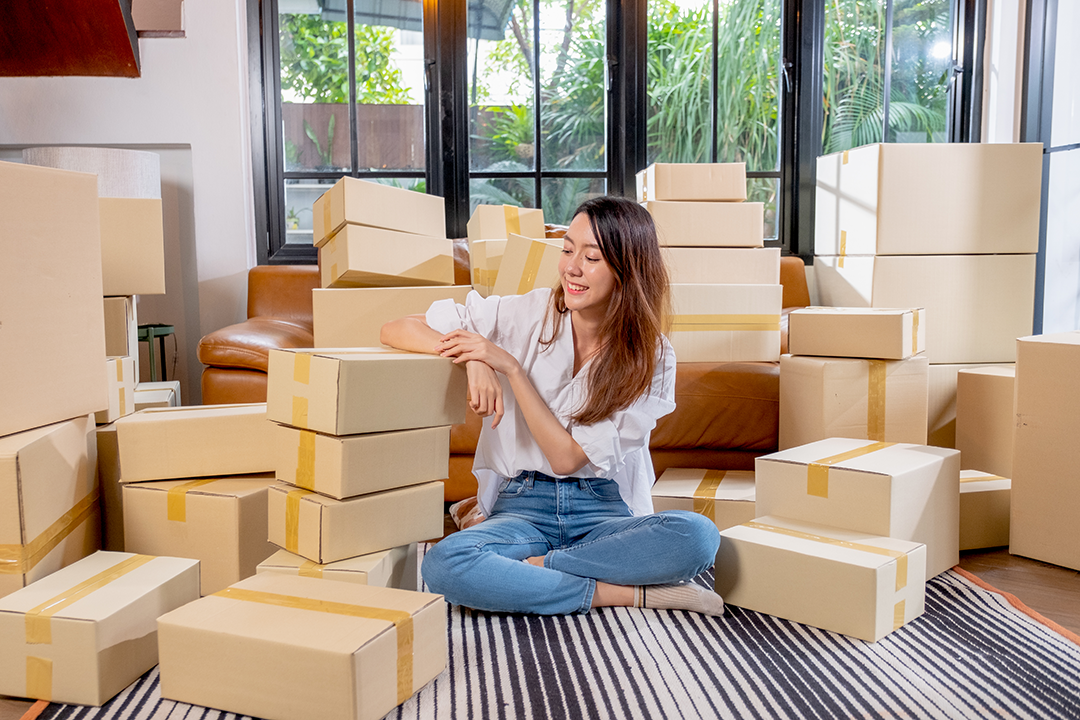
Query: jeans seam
x: 516, y: 541
x: 661, y: 518
x: 586, y: 604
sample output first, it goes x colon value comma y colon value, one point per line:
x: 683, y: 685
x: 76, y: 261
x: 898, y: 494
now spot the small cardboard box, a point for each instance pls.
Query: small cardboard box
x: 120, y: 373
x: 823, y: 397
x: 86, y: 632
x: 221, y: 522
x: 359, y: 256
x: 845, y: 581
x: 709, y: 224
x: 485, y: 257
x: 293, y: 648
x: 903, y: 491
x: 493, y: 222
x: 726, y: 323
x: 527, y: 264
x: 692, y: 181
x: 364, y: 390
x: 941, y: 404
x: 984, y: 510
x: 879, y: 333
x: 724, y: 496
x: 986, y: 418
x: 112, y: 503
x: 132, y: 246
x: 122, y: 329
x: 346, y: 466
x: 367, y: 203
x: 353, y: 317
x: 157, y: 395
x: 394, y: 568
x: 750, y: 266
x: 327, y: 530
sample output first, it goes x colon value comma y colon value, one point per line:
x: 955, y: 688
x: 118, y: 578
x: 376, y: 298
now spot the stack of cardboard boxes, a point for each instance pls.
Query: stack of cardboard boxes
x: 517, y: 234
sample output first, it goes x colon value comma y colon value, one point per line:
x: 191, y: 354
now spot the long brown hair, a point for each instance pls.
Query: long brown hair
x: 630, y: 335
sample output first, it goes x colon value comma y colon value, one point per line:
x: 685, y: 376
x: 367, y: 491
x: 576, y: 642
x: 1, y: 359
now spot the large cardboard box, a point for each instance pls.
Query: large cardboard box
x: 326, y: 530
x: 110, y: 489
x: 485, y: 257
x: 941, y: 404
x: 986, y: 418
x: 976, y: 305
x: 221, y: 522
x: 364, y: 390
x: 359, y: 256
x: 50, y: 297
x: 1045, y: 486
x: 353, y: 317
x: 709, y: 224
x: 750, y: 266
x: 841, y: 580
x: 929, y: 199
x: 726, y: 323
x: 823, y: 397
x: 394, y: 568
x: 367, y: 203
x: 292, y: 648
x: 351, y: 465
x: 86, y: 632
x: 903, y: 491
x: 724, y: 496
x: 120, y: 374
x: 527, y: 264
x: 984, y: 510
x: 880, y: 333
x: 48, y: 501
x: 121, y: 327
x: 493, y: 222
x: 692, y: 181
x: 132, y: 246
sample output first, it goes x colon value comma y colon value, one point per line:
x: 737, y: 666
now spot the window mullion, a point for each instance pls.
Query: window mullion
x: 714, y: 90
x: 537, y: 149
x: 354, y: 150
x: 886, y: 85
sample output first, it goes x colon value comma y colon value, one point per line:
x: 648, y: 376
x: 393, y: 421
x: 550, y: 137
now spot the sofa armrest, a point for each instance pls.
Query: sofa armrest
x: 247, y: 345
x: 282, y: 291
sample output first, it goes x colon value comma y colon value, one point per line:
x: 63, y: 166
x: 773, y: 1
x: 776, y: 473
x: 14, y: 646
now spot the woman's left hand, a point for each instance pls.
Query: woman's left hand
x: 462, y: 345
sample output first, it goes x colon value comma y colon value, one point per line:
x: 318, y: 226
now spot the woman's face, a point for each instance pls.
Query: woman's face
x: 586, y: 277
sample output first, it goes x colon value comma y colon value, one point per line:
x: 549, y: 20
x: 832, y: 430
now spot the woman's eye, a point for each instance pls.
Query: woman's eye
x: 567, y: 252
x: 592, y: 259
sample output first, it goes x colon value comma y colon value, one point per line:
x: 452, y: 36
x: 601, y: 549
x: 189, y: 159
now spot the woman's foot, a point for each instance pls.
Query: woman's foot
x: 679, y: 596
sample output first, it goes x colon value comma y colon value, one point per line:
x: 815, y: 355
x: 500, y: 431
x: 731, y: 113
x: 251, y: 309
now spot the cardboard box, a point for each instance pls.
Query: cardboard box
x: 48, y: 501
x: 984, y: 510
x: 527, y: 264
x: 976, y: 305
x: 88, y: 631
x: 903, y: 491
x: 343, y: 467
x: 986, y: 418
x: 692, y: 181
x: 726, y: 323
x: 929, y: 199
x: 724, y: 496
x: 50, y: 301
x: 121, y: 327
x: 120, y: 374
x: 364, y: 390
x: 750, y: 266
x: 327, y: 530
x: 880, y: 400
x: 359, y: 256
x: 132, y: 246
x: 1045, y: 490
x: 395, y: 568
x: 879, y: 333
x: 346, y: 318
x: 195, y: 441
x: 221, y: 522
x: 941, y: 404
x: 709, y: 224
x: 290, y: 648
x: 367, y: 203
x: 493, y: 222
x: 112, y: 502
x: 485, y: 257
x: 845, y: 581
x: 157, y: 395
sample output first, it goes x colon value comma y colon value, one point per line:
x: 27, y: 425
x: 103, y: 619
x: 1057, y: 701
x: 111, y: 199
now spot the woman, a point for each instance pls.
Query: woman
x: 573, y: 379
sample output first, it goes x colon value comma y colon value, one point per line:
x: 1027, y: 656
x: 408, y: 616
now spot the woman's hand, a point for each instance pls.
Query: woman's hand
x: 485, y: 391
x: 464, y: 346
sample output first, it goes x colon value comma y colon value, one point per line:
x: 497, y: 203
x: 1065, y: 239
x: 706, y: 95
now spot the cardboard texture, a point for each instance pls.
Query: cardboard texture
x: 485, y: 257
x: 88, y: 631
x: 359, y: 256
x: 903, y: 491
x: 845, y: 581
x: 494, y: 222
x: 850, y: 398
x: 112, y: 503
x: 709, y: 224
x: 724, y: 496
x: 51, y: 303
x: 326, y: 530
x: 48, y: 501
x: 750, y: 266
x: 132, y: 246
x: 121, y: 328
x: 692, y: 181
x: 364, y: 390
x: 343, y: 467
x: 367, y: 203
x: 527, y: 264
x: 986, y: 419
x: 120, y: 374
x: 726, y: 323
x: 160, y: 395
x: 941, y: 404
x: 353, y: 317
x: 196, y: 441
x: 878, y: 333
x: 976, y: 305
x: 221, y: 522
x: 984, y: 510
x: 395, y: 568
x: 929, y: 199
x: 1045, y: 490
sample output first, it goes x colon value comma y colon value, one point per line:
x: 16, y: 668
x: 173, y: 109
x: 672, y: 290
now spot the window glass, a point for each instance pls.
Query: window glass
x: 561, y: 196
x: 518, y: 191
x: 853, y: 84
x: 679, y: 67
x: 767, y: 191
x: 920, y: 69
x: 300, y: 195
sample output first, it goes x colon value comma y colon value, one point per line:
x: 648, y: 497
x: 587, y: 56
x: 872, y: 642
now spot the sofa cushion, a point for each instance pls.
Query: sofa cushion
x: 228, y: 386
x: 247, y: 345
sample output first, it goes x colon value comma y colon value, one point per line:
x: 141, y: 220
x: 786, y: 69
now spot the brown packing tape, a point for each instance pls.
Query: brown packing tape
x: 705, y: 495
x: 532, y: 267
x: 513, y: 219
x: 914, y: 332
x: 302, y: 368
x: 305, y: 460
x: 845, y: 158
x: 123, y: 402
x: 119, y: 370
x: 310, y: 568
x: 176, y: 502
x: 299, y: 411
x: 19, y: 559
x: 292, y: 518
x: 982, y: 478
x: 843, y: 248
x: 875, y: 400
x: 898, y: 615
x: 327, y: 226
x: 817, y: 472
x: 745, y: 319
x: 39, y: 678
x: 334, y: 272
x: 722, y: 327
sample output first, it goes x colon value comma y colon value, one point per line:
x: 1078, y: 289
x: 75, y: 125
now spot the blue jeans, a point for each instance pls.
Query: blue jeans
x: 586, y: 534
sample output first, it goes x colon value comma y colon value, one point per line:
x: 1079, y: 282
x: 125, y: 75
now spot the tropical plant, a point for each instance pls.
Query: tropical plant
x: 324, y: 155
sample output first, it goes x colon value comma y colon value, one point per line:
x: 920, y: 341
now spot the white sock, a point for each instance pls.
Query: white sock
x: 679, y: 596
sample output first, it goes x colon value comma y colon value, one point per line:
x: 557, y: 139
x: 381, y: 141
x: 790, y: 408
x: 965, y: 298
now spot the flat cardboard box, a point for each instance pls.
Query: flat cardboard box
x: 494, y: 222
x: 1045, y: 489
x: 326, y: 530
x: 353, y: 317
x: 485, y: 257
x: 527, y: 264
x: 84, y: 649
x: 364, y: 390
x: 195, y: 441
x: 367, y: 203
x: 844, y: 581
x: 929, y: 199
x: 880, y: 400
x: 359, y: 256
x: 986, y: 418
x: 709, y: 224
x: 132, y: 246
x: 50, y: 297
x: 976, y: 305
x: 724, y: 496
x: 750, y: 266
x: 122, y: 328
x: 904, y: 491
x: 726, y: 323
x: 221, y: 522
x: 112, y: 502
x: 326, y: 650
x: 346, y: 466
x: 120, y: 374
x: 724, y: 182
x: 48, y: 501
x: 941, y: 404
x: 879, y: 333
x: 984, y: 510
x: 394, y: 568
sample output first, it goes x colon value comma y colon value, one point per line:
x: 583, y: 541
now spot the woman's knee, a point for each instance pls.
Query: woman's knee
x: 439, y: 560
x: 702, y: 538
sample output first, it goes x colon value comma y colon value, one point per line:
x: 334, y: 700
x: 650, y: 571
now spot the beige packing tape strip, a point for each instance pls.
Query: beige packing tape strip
x: 982, y: 478
x: 728, y: 323
x: 305, y: 460
x: 119, y: 370
x: 302, y: 375
x: 39, y: 678
x: 176, y: 502
x: 843, y: 248
x: 817, y: 472
x: 875, y: 400
x: 123, y: 402
x: 19, y: 559
x: 532, y: 266
x: 292, y: 519
x: 513, y: 219
x: 705, y: 495
x: 327, y: 227
x: 914, y: 332
x: 845, y: 158
x: 310, y: 568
